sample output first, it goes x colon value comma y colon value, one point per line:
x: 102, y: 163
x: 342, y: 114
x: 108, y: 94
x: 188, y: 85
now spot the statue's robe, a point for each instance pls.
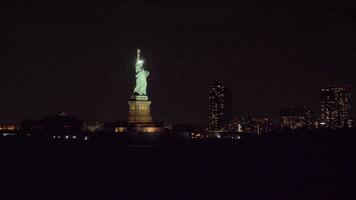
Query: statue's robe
x: 141, y: 82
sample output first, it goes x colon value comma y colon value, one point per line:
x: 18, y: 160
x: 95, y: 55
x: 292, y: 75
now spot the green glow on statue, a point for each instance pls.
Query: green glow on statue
x: 141, y: 77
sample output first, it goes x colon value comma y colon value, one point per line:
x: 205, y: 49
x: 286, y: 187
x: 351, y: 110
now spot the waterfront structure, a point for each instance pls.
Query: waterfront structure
x: 58, y: 126
x: 296, y: 117
x: 95, y: 127
x: 251, y: 125
x: 139, y: 105
x: 335, y: 107
x: 8, y: 127
x: 219, y: 107
x: 139, y: 116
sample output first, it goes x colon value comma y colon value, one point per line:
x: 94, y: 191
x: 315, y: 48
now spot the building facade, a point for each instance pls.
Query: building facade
x: 335, y: 107
x: 296, y: 117
x: 219, y: 107
x: 251, y: 125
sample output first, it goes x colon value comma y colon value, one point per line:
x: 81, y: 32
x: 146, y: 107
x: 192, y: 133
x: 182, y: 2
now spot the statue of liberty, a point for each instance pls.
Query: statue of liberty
x: 141, y: 77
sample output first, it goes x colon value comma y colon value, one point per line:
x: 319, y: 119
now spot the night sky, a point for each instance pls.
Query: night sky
x: 79, y: 58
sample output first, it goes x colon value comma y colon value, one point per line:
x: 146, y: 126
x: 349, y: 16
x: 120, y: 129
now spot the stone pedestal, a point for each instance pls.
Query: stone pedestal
x: 139, y: 109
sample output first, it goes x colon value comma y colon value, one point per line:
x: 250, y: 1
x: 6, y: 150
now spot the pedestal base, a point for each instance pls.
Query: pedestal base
x: 139, y: 110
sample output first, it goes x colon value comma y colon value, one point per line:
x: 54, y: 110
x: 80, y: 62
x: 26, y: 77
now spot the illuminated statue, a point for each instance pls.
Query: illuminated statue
x: 141, y: 77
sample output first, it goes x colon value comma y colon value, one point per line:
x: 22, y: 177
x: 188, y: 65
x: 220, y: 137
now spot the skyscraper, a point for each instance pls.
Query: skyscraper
x: 296, y: 117
x: 336, y: 106
x: 219, y: 107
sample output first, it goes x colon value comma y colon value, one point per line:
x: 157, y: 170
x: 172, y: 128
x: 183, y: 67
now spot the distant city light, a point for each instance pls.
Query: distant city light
x: 296, y: 117
x: 336, y: 107
x: 8, y: 134
x: 219, y: 107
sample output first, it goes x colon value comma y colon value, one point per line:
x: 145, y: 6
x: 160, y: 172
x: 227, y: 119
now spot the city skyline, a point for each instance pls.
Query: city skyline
x: 213, y: 99
x: 79, y: 60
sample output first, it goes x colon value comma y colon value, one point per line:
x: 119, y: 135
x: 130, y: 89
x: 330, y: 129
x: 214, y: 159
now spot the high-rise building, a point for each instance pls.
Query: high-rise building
x: 296, y: 117
x: 336, y: 107
x: 219, y: 107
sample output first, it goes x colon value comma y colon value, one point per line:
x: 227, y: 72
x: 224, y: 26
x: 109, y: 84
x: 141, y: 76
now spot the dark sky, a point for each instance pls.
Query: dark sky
x: 79, y: 58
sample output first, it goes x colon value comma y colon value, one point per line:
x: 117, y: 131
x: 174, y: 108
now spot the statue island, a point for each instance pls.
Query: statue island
x: 139, y: 117
x: 139, y: 105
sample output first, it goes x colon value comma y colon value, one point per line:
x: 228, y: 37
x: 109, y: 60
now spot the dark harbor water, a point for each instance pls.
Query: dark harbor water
x: 275, y: 167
